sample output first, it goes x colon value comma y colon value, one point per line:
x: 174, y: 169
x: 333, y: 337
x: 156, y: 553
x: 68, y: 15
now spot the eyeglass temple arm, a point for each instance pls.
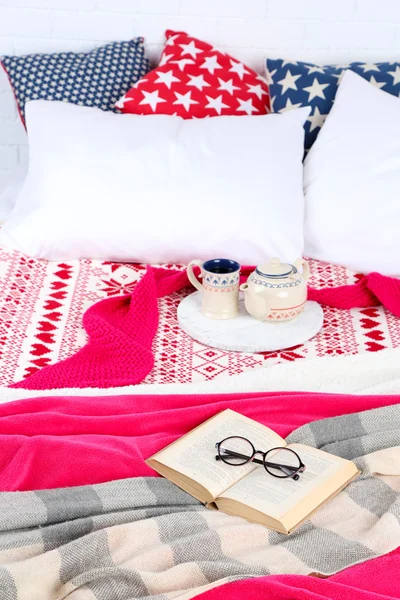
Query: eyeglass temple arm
x: 255, y: 460
x: 260, y: 462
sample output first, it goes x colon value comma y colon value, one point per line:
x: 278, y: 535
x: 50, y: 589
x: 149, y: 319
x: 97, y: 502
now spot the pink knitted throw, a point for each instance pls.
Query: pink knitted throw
x: 372, y: 290
x: 121, y: 330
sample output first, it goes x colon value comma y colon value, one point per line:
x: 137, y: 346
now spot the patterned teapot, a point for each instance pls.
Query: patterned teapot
x: 276, y: 291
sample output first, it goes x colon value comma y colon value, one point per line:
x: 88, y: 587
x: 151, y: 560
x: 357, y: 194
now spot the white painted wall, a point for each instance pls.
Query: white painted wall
x: 318, y: 30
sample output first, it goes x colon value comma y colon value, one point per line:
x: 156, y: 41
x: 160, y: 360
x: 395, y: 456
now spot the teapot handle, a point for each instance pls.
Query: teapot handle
x: 301, y: 263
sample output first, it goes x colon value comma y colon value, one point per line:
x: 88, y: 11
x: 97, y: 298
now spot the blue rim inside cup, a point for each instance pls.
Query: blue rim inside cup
x: 221, y: 266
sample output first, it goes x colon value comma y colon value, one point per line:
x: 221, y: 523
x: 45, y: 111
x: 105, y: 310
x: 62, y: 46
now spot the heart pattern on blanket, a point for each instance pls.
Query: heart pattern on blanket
x: 48, y: 327
x: 45, y: 326
x: 373, y: 347
x: 370, y: 312
x: 35, y: 285
x: 59, y: 295
x: 375, y: 335
x: 39, y: 350
x: 56, y: 285
x: 369, y: 323
x: 46, y: 338
x: 372, y: 326
x: 52, y: 304
x: 39, y: 364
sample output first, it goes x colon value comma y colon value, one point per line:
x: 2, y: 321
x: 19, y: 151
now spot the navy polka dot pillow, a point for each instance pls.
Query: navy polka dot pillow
x: 97, y: 78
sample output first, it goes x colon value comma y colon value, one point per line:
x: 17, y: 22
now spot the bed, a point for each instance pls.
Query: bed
x: 82, y: 516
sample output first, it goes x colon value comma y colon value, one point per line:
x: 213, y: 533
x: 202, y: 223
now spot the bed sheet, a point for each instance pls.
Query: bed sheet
x: 42, y: 303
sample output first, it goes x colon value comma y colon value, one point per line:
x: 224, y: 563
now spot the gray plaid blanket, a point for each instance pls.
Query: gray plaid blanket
x: 145, y: 538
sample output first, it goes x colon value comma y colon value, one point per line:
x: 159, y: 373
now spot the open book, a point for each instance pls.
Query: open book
x: 248, y: 490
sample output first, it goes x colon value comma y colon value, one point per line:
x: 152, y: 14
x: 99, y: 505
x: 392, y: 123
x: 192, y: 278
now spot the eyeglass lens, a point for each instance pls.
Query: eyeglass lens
x: 236, y: 451
x: 275, y: 462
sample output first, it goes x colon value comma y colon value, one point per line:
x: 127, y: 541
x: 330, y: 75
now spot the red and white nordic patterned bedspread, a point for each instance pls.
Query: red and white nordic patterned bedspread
x: 42, y: 303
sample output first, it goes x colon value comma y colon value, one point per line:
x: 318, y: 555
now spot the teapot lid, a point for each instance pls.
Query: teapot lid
x: 275, y: 268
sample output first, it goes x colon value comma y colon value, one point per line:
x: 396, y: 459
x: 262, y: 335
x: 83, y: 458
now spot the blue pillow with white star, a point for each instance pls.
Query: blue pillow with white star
x: 293, y: 84
x: 97, y: 78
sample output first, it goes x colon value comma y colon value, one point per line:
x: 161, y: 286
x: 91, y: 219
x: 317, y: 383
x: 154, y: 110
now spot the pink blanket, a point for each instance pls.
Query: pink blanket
x: 64, y: 441
x: 376, y: 579
x: 55, y: 442
x: 121, y: 329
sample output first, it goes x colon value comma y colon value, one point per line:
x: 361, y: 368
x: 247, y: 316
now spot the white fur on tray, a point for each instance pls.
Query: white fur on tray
x: 245, y: 333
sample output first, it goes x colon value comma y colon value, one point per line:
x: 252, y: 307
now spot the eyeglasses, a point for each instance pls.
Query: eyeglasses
x: 278, y: 462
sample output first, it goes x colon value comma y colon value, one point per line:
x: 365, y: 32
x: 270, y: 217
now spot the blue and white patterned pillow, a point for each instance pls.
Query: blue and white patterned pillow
x: 97, y: 78
x: 293, y: 84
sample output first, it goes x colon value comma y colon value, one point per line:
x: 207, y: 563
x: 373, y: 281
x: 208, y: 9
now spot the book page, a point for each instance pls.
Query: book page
x: 276, y: 497
x: 194, y: 454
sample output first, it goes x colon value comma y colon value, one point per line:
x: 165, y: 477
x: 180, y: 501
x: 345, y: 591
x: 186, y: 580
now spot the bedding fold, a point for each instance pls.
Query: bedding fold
x: 146, y: 538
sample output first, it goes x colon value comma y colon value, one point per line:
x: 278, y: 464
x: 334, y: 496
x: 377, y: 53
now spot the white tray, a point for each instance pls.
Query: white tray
x: 244, y: 333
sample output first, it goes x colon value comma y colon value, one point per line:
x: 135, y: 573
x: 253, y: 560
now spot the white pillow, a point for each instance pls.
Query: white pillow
x: 9, y: 194
x: 352, y: 181
x: 159, y: 188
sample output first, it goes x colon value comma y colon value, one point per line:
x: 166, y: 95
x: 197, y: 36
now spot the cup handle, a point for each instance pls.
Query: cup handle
x: 191, y: 276
x: 300, y: 262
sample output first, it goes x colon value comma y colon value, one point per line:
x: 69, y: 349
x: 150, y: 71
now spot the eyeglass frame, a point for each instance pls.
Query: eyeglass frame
x: 294, y: 475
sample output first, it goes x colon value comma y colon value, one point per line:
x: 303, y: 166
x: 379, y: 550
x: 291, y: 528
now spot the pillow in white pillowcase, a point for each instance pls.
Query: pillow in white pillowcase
x: 9, y: 194
x: 159, y: 188
x: 352, y: 181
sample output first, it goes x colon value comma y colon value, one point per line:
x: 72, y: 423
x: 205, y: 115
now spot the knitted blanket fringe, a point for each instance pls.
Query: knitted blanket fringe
x: 121, y: 330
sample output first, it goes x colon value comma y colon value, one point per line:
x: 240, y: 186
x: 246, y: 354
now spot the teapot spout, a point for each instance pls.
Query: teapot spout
x: 255, y: 302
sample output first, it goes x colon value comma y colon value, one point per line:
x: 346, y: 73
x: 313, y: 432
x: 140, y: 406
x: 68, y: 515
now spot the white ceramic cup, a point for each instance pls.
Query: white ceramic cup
x: 220, y: 287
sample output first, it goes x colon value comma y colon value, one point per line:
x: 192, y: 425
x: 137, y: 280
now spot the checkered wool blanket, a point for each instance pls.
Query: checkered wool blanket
x: 145, y: 538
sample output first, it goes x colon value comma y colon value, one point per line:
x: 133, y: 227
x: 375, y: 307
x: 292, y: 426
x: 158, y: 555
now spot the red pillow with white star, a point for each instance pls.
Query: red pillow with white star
x: 194, y: 79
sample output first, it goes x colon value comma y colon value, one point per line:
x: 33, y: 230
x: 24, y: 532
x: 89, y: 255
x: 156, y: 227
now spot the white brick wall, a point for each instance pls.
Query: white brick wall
x: 318, y: 30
